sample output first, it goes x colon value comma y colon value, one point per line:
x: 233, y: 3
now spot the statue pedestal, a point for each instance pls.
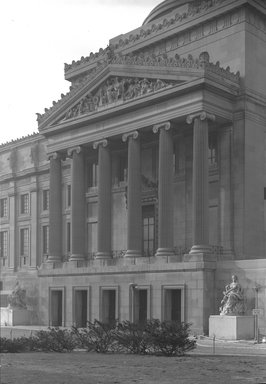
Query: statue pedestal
x: 232, y: 327
x: 13, y: 316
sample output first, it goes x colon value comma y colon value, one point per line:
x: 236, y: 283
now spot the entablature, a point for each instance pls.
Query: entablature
x: 126, y: 80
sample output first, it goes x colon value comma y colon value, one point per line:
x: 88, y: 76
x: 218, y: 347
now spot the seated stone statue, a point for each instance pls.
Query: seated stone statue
x: 233, y: 303
x: 17, y: 299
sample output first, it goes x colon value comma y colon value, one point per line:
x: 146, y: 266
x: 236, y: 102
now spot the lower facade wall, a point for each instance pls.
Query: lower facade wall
x: 200, y: 284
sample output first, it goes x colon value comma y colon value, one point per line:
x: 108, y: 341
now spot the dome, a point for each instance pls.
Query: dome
x: 163, y: 8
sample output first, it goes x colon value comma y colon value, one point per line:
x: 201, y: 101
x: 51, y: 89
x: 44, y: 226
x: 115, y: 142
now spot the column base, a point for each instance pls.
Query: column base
x: 103, y: 255
x: 164, y: 252
x: 200, y: 249
x: 77, y: 257
x: 54, y: 259
x: 133, y: 253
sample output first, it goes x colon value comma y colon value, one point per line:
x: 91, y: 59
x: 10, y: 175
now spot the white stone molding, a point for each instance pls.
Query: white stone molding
x: 200, y: 115
x: 133, y: 134
x: 103, y: 142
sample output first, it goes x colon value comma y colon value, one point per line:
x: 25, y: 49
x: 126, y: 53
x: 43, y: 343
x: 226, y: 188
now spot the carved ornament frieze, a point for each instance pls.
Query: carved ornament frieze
x: 114, y: 91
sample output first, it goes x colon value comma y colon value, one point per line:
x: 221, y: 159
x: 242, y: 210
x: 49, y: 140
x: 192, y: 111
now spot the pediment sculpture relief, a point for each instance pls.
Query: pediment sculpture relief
x: 116, y: 90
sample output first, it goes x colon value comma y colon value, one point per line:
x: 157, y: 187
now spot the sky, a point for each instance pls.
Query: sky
x: 39, y: 36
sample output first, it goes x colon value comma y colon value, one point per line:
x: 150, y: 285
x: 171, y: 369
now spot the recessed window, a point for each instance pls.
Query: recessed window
x: 3, y: 207
x: 68, y: 196
x: 45, y: 239
x: 92, y: 174
x: 213, y: 146
x: 68, y: 237
x: 122, y: 170
x: 45, y: 199
x: 24, y: 242
x: 3, y: 244
x: 264, y: 193
x: 109, y: 307
x: 140, y: 303
x: 148, y: 227
x: 25, y: 204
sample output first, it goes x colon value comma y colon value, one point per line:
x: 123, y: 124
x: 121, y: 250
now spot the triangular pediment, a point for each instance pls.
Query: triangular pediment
x: 125, y: 80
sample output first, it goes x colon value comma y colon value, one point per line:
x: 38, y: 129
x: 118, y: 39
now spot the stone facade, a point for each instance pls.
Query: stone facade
x: 145, y: 187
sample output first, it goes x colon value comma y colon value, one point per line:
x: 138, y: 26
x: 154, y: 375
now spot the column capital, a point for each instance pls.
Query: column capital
x: 103, y: 142
x: 54, y: 156
x: 133, y: 134
x: 78, y: 149
x: 166, y: 125
x: 200, y: 115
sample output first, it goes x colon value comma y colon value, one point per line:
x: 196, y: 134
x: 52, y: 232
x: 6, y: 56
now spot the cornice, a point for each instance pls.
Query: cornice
x: 187, y: 67
x: 33, y: 137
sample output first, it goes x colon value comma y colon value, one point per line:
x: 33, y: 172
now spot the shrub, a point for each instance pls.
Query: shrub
x: 170, y: 338
x: 131, y: 337
x: 96, y: 337
x: 55, y: 340
x: 15, y: 345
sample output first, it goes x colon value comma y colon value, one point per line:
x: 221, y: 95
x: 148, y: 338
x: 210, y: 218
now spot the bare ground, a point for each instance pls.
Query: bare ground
x: 92, y: 368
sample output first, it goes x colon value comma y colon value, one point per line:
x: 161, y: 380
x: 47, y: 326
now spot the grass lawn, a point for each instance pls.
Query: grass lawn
x: 92, y: 368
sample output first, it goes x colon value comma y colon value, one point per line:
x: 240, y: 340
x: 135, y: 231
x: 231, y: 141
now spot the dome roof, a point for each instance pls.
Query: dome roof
x: 164, y: 8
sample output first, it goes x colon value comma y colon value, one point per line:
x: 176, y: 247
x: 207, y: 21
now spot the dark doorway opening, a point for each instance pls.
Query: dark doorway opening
x: 172, y: 310
x: 56, y: 308
x: 108, y: 306
x: 140, y: 305
x: 81, y: 310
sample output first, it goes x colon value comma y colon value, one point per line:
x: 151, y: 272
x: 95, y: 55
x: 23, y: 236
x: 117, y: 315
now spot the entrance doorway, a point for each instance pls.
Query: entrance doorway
x: 108, y: 307
x: 140, y: 305
x: 80, y: 308
x: 56, y: 309
x: 173, y: 305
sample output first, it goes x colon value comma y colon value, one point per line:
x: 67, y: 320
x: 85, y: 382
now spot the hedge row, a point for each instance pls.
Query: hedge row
x: 152, y: 337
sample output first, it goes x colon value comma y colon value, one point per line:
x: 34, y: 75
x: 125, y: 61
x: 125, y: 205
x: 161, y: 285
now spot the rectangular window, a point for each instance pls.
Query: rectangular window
x: 122, y: 171
x: 92, y: 174
x: 3, y: 244
x: 68, y: 195
x: 45, y: 239
x: 80, y: 315
x: 213, y: 146
x: 45, y: 199
x: 68, y: 236
x: 24, y: 242
x: 3, y: 207
x: 25, y: 204
x: 148, y: 227
x: 264, y: 193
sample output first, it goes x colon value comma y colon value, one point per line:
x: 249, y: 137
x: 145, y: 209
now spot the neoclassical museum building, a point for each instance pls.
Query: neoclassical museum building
x: 145, y: 188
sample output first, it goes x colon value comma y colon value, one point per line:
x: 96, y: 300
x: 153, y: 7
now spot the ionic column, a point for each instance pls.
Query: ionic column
x: 55, y: 209
x: 78, y: 204
x: 165, y: 190
x: 200, y: 183
x: 134, y: 215
x: 104, y: 200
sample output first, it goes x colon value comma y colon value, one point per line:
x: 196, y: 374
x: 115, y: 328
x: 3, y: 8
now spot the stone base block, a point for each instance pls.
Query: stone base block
x: 10, y: 317
x: 232, y: 327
